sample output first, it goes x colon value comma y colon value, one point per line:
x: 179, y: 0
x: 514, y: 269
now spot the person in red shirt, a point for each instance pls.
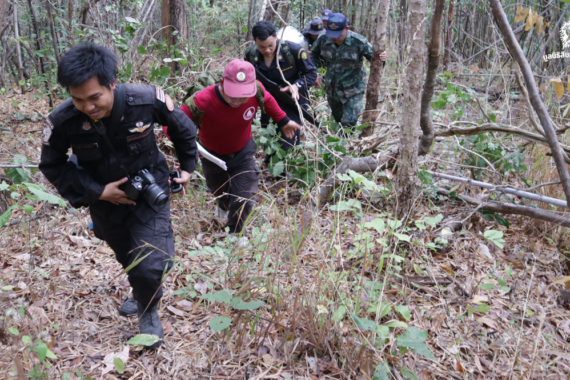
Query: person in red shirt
x: 224, y: 113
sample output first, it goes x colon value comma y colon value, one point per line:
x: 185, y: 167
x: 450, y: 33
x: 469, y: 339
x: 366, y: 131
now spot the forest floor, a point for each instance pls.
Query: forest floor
x: 339, y: 304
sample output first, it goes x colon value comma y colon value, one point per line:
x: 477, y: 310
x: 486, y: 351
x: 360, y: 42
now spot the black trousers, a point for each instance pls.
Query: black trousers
x: 235, y: 187
x: 144, y: 249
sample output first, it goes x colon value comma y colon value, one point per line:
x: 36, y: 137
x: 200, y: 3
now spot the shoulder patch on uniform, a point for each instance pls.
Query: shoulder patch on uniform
x: 46, y: 131
x: 160, y: 94
x: 302, y: 54
x: 169, y: 103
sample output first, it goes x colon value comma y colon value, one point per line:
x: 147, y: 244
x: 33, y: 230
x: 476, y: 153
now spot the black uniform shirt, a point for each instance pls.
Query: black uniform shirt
x: 301, y: 72
x: 131, y: 134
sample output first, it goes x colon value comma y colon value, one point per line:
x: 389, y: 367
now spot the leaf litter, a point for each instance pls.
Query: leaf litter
x: 481, y: 311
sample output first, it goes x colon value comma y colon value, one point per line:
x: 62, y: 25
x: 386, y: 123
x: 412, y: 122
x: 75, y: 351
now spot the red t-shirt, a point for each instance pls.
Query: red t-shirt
x: 224, y: 129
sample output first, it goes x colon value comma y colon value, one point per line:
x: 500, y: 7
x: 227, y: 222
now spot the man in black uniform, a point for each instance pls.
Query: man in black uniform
x: 297, y: 69
x: 109, y: 128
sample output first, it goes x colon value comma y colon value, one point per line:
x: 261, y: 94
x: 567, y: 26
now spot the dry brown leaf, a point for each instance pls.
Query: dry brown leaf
x: 267, y: 359
x: 530, y: 20
x: 484, y: 251
x: 479, y: 299
x: 521, y: 13
x: 176, y: 311
x: 558, y: 87
x: 540, y: 25
x: 459, y: 366
x: 563, y: 281
x: 79, y: 241
x: 488, y: 322
x: 109, y: 359
x: 185, y: 305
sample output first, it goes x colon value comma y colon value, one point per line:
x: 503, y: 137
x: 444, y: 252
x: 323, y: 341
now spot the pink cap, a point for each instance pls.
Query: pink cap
x: 239, y: 79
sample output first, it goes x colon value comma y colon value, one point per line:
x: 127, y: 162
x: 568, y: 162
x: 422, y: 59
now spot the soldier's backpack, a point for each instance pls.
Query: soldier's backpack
x: 207, y: 79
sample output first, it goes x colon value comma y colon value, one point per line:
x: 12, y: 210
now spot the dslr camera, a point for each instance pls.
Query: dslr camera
x: 144, y: 183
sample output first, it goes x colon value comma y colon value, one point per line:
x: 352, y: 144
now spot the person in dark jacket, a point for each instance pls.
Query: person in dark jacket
x: 117, y: 169
x: 295, y: 65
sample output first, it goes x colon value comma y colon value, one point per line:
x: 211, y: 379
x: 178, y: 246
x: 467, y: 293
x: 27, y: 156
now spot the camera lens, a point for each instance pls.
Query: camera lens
x: 155, y: 195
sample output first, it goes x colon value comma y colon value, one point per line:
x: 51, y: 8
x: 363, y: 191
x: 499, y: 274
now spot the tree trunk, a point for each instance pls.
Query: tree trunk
x: 54, y: 40
x: 38, y: 47
x: 373, y: 88
x: 249, y: 37
x: 173, y: 18
x: 353, y: 14
x: 3, y: 6
x: 263, y: 9
x: 18, y: 48
x: 448, y: 33
x: 70, y: 21
x: 433, y: 63
x: 402, y: 32
x: 407, y: 180
x: 270, y: 11
x: 534, y: 97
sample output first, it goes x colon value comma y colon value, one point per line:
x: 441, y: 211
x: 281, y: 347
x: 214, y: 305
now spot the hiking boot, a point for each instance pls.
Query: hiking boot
x: 129, y: 307
x: 149, y: 323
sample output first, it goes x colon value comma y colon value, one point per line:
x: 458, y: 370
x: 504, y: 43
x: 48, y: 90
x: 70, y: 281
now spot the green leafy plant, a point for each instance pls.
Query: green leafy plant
x: 453, y: 98
x: 484, y: 149
x: 25, y: 194
x: 225, y: 296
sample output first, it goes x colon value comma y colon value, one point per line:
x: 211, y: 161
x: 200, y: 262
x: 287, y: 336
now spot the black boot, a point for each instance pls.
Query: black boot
x: 149, y: 323
x: 129, y: 307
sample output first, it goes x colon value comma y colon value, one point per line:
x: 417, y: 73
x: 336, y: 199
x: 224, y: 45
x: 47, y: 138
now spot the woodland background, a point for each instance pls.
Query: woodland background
x: 374, y: 257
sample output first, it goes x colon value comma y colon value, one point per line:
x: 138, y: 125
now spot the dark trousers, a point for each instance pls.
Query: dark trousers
x: 144, y: 249
x: 235, y: 187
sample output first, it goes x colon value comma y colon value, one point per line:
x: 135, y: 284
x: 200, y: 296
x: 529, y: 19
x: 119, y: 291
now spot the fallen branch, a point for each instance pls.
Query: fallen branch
x: 509, y: 208
x: 503, y: 189
x: 475, y: 129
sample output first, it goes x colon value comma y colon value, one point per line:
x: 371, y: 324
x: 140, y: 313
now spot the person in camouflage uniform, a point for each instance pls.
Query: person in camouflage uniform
x: 342, y: 51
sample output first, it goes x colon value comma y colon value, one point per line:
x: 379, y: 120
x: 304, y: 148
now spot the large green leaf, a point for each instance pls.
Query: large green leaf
x: 119, y: 365
x: 220, y: 323
x: 143, y: 340
x: 222, y: 296
x: 43, y: 195
x: 364, y: 324
x: 239, y: 304
x: 6, y: 215
x: 414, y: 338
x: 382, y: 372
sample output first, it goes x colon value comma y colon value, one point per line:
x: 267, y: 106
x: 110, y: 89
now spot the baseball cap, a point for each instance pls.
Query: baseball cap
x: 239, y: 79
x: 315, y: 27
x: 335, y: 25
x: 326, y: 14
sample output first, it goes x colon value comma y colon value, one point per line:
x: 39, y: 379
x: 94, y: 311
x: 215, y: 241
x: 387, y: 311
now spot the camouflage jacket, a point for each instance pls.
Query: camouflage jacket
x: 345, y: 75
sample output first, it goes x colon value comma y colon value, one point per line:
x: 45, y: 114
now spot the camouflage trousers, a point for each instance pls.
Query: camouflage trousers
x: 346, y: 111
